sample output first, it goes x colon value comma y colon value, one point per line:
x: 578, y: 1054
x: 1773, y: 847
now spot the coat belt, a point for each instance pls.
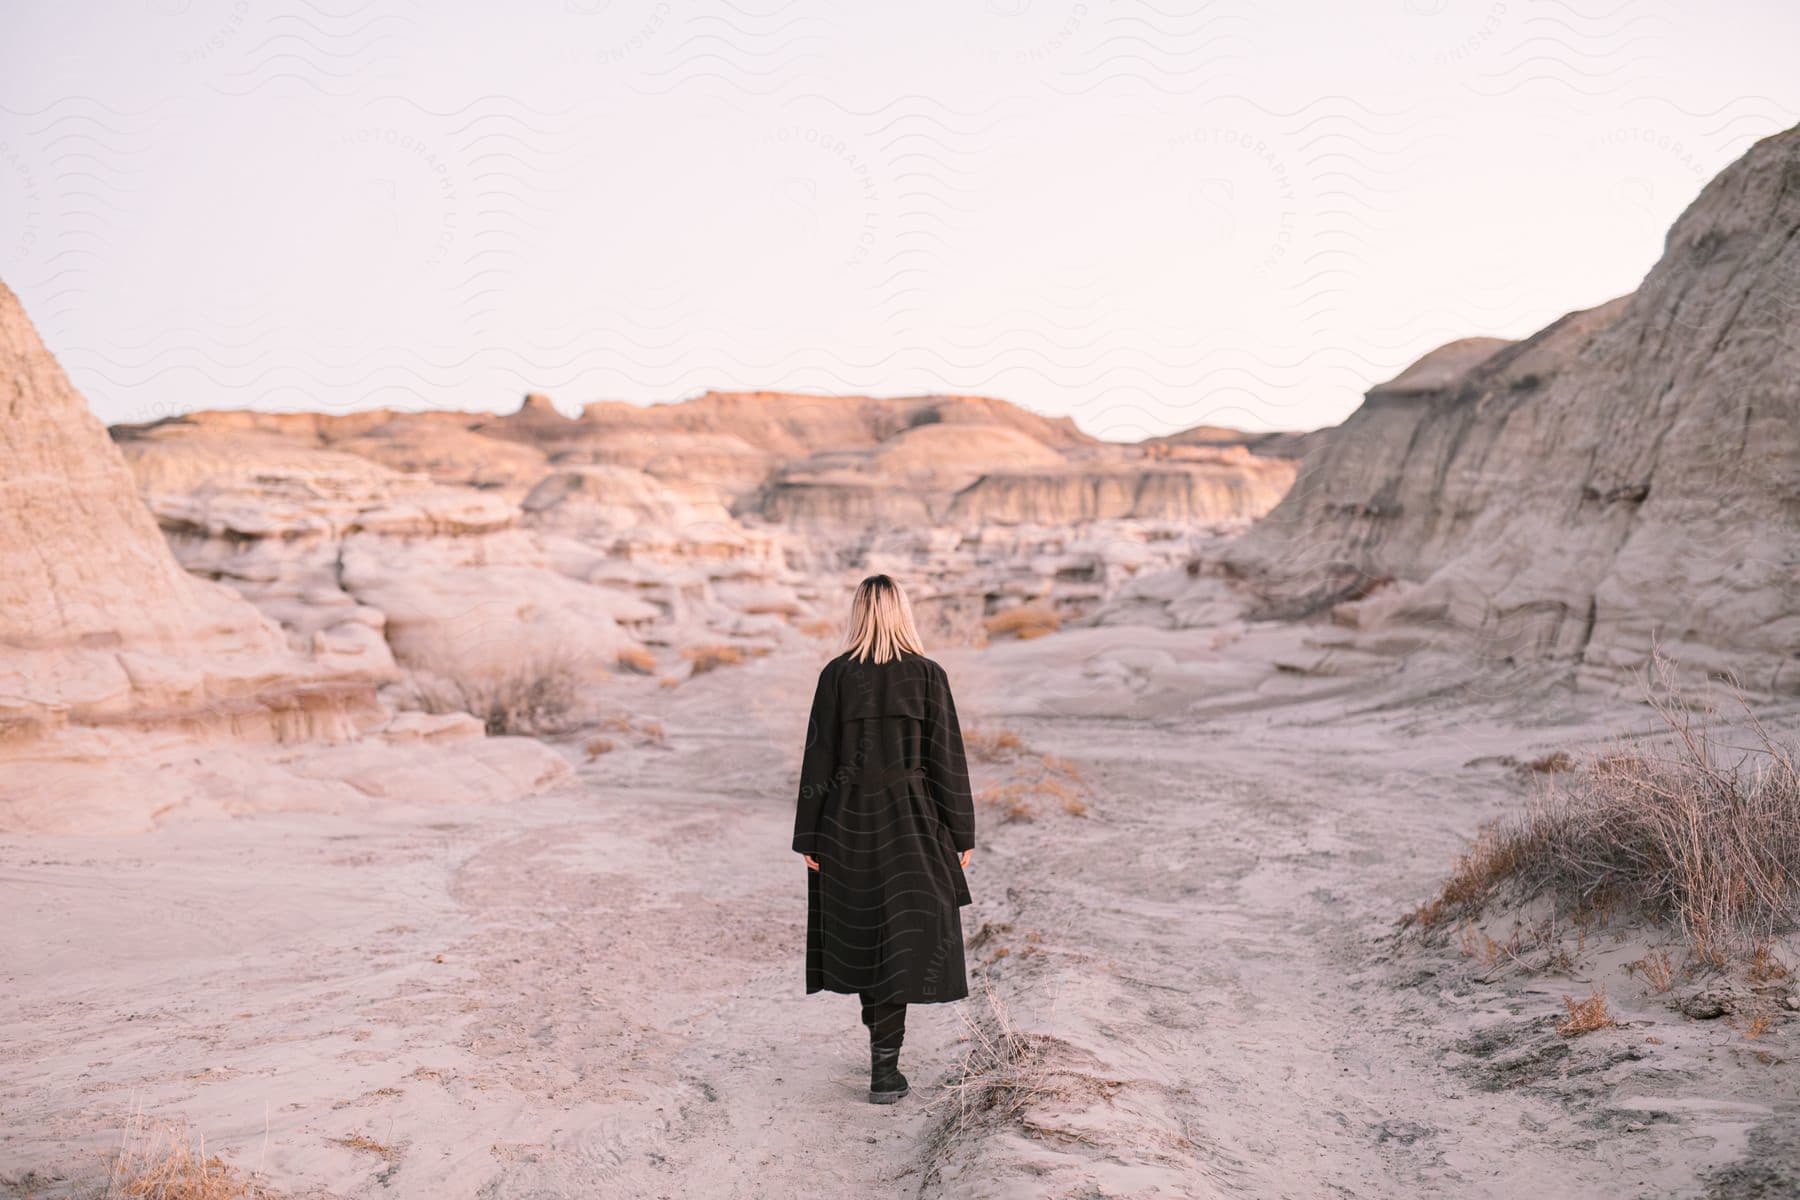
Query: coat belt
x: 869, y: 782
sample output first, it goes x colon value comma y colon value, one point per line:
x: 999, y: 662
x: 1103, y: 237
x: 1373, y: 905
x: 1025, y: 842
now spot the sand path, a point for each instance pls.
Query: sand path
x: 597, y: 993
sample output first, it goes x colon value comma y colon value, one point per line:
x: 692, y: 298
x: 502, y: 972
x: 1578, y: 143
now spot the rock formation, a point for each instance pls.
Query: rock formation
x: 101, y: 626
x: 1627, y: 478
x: 116, y: 663
x: 407, y: 538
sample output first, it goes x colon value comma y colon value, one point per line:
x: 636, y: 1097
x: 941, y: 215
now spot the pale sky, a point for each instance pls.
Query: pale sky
x: 1143, y: 215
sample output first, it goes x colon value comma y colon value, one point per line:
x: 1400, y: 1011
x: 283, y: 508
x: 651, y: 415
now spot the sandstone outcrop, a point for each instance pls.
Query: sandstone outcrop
x: 99, y: 623
x: 117, y: 665
x: 1622, y: 480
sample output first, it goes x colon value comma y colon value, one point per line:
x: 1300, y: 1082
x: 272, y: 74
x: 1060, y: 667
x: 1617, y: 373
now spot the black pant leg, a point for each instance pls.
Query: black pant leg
x: 887, y: 1024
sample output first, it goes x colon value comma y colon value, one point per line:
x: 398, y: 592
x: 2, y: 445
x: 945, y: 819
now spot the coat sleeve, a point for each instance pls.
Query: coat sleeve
x: 946, y: 765
x: 818, y: 765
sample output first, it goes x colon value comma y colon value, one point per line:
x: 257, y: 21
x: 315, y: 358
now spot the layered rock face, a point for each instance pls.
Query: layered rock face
x: 117, y: 665
x: 446, y: 546
x: 1627, y: 478
x: 100, y: 625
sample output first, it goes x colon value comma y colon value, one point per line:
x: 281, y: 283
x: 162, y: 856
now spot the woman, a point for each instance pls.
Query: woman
x: 887, y: 826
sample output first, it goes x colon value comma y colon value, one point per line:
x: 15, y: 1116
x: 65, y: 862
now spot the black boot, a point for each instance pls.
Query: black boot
x: 887, y: 1030
x: 886, y: 1083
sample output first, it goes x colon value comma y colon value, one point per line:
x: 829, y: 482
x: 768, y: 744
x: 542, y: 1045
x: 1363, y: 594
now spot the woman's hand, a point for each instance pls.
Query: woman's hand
x: 812, y: 864
x: 966, y: 856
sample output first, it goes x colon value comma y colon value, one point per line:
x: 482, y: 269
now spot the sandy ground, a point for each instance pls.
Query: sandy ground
x: 597, y: 992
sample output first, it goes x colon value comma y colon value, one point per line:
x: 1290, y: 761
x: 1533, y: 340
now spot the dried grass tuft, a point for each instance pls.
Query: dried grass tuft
x: 1002, y: 1073
x: 645, y: 730
x: 992, y: 747
x: 713, y: 656
x: 1657, y: 970
x: 163, y: 1162
x: 1766, y: 966
x: 368, y: 1145
x: 636, y: 660
x: 1701, y: 833
x: 1024, y: 622
x: 538, y: 699
x: 1586, y: 1016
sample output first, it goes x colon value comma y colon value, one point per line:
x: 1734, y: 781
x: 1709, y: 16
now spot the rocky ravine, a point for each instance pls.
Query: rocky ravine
x: 1628, y: 476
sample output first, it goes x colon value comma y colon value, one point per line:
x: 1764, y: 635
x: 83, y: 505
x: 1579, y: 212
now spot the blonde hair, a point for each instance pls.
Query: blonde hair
x: 881, y: 622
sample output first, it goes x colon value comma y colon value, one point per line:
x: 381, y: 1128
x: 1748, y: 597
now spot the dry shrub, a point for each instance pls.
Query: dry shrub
x: 1025, y: 621
x: 1552, y: 763
x: 1765, y: 966
x: 713, y: 655
x: 163, y: 1163
x: 1479, y: 870
x: 1585, y: 1016
x: 644, y: 729
x: 538, y: 699
x: 636, y: 660
x: 1481, y: 947
x: 1658, y: 970
x: 1701, y: 833
x: 368, y: 1145
x: 1758, y: 1025
x: 596, y: 746
x: 818, y: 627
x: 1000, y: 1075
x: 1012, y: 799
x: 992, y: 747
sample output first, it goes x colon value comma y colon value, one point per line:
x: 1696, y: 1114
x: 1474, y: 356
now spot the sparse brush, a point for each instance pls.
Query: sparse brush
x: 643, y: 729
x: 596, y: 746
x: 1765, y: 966
x: 991, y: 747
x: 817, y: 627
x: 1585, y: 1016
x: 538, y: 699
x: 1025, y: 621
x: 160, y: 1162
x: 1004, y: 1075
x: 1657, y: 969
x: 1703, y: 834
x: 1012, y: 799
x: 368, y: 1145
x: 636, y: 660
x: 1000, y: 1075
x: 714, y: 655
x: 1758, y: 1025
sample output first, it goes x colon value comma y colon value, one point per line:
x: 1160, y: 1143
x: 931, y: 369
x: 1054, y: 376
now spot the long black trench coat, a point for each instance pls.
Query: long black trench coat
x: 885, y: 810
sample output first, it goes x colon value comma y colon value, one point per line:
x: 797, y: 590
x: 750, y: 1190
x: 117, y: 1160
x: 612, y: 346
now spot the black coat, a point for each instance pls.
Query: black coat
x: 885, y: 809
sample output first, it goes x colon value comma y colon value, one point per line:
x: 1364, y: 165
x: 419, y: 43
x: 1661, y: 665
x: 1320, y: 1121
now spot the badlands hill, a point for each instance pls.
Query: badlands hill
x: 831, y: 464
x: 462, y: 544
x: 1627, y: 477
x: 118, y: 664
